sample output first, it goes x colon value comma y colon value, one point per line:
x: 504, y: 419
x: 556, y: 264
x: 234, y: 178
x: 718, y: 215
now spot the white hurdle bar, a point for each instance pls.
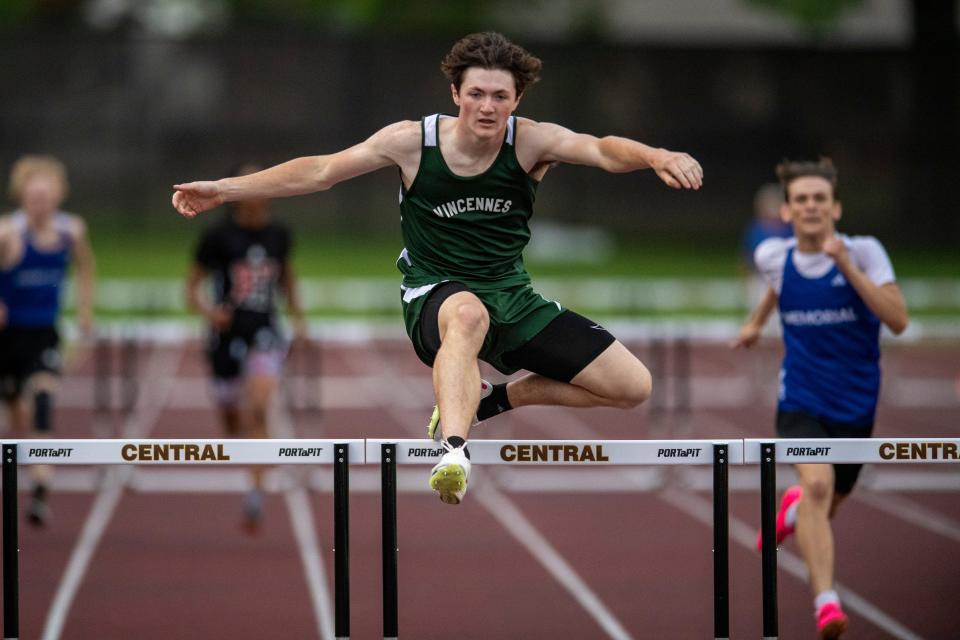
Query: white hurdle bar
x: 390, y: 452
x: 584, y: 453
x: 339, y: 453
x: 768, y: 452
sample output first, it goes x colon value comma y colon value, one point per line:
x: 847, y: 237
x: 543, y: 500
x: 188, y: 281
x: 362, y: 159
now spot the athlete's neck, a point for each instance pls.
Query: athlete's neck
x: 811, y: 243
x: 469, y: 142
x: 38, y: 222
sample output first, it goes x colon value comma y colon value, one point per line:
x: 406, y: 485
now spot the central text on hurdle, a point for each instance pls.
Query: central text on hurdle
x: 553, y: 453
x: 174, y: 452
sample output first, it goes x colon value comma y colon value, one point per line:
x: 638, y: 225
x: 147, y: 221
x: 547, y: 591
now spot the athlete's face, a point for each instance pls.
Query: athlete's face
x: 811, y: 207
x: 41, y: 196
x: 486, y: 99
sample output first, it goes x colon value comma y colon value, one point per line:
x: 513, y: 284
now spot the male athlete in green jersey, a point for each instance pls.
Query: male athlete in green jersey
x: 468, y: 185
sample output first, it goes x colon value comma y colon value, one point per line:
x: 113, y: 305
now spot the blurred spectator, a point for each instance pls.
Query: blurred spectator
x: 766, y: 222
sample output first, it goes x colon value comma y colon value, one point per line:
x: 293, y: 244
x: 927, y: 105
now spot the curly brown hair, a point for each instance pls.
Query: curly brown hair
x: 790, y: 170
x: 490, y: 50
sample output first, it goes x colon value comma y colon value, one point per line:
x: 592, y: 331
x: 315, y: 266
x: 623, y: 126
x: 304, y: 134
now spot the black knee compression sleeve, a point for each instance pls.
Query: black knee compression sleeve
x: 41, y: 411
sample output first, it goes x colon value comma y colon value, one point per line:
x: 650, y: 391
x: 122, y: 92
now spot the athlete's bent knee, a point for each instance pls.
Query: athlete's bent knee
x: 636, y: 390
x: 470, y: 318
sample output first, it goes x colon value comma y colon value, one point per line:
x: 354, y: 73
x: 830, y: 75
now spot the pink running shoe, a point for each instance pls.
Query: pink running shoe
x: 783, y: 529
x: 831, y: 621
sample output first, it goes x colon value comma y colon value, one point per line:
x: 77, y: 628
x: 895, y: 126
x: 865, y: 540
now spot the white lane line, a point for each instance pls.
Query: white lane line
x: 702, y: 509
x: 509, y: 480
x: 149, y: 407
x: 308, y: 540
x: 96, y: 523
x: 301, y: 517
x: 743, y: 534
x: 510, y: 517
x: 912, y: 513
x: 746, y: 536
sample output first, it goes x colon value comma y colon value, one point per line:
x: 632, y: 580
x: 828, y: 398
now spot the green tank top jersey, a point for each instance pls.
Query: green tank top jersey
x: 471, y: 229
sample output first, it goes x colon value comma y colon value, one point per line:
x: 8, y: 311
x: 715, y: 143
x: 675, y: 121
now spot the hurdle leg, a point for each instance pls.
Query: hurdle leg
x: 128, y: 368
x: 658, y: 368
x: 681, y: 374
x: 341, y: 538
x: 721, y: 544
x: 388, y: 479
x: 11, y: 546
x: 768, y: 533
x: 102, y: 372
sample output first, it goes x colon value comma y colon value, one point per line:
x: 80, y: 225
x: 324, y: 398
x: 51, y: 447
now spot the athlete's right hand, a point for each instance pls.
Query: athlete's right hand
x: 220, y: 317
x: 192, y: 198
x: 749, y: 334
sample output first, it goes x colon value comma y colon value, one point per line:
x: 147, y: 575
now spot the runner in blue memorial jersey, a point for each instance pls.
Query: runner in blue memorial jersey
x: 38, y: 242
x: 468, y: 184
x: 834, y: 292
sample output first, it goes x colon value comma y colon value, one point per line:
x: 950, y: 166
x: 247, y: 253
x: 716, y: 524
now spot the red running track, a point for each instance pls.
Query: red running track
x: 172, y: 560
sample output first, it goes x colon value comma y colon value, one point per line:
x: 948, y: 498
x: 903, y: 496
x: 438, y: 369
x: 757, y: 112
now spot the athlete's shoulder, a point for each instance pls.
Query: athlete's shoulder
x: 6, y: 221
x: 397, y: 143
x: 7, y: 230
x: 404, y: 133
x: 532, y: 130
x: 71, y: 224
x: 864, y: 243
x: 772, y: 251
x: 870, y: 255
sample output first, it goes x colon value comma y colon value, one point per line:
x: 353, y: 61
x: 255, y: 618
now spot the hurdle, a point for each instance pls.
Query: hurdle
x: 768, y: 452
x: 339, y: 453
x: 719, y: 453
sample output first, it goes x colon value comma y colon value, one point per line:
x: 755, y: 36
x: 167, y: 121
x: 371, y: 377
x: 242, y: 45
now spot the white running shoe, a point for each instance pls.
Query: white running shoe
x: 435, y: 433
x: 449, y: 477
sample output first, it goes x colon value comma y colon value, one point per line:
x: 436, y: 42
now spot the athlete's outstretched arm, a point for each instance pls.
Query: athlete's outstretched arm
x: 86, y: 278
x: 885, y: 301
x: 613, y: 153
x: 298, y: 176
x: 750, y: 331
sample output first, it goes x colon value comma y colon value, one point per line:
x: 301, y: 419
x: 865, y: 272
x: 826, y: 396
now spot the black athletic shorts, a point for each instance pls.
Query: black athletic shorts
x: 796, y: 424
x: 228, y: 352
x: 25, y: 351
x: 559, y: 351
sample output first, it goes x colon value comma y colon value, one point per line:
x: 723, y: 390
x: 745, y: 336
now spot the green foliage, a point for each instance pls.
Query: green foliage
x: 16, y: 13
x: 386, y: 16
x: 812, y: 15
x: 166, y: 253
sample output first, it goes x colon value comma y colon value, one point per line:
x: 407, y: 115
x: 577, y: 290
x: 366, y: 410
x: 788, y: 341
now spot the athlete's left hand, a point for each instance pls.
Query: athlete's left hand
x: 836, y: 248
x: 748, y: 336
x: 678, y: 170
